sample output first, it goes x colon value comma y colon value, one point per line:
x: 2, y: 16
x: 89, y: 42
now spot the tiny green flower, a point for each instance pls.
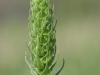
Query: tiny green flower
x: 42, y: 45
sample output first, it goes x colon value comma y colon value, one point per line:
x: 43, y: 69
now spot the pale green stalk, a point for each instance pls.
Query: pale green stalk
x: 42, y: 43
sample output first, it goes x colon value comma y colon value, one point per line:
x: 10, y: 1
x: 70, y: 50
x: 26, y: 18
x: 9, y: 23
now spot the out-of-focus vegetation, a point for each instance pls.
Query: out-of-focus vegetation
x: 78, y: 36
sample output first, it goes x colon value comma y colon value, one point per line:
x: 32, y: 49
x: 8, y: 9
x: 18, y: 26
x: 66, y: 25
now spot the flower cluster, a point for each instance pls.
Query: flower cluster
x: 42, y: 43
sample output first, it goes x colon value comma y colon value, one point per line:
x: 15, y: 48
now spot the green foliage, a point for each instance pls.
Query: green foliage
x: 42, y: 43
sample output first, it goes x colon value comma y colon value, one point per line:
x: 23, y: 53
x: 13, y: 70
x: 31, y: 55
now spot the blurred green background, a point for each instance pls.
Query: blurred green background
x: 78, y: 36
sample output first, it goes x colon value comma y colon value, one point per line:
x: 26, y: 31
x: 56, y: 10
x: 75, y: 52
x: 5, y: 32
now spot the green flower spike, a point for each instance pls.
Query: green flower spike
x: 42, y: 45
